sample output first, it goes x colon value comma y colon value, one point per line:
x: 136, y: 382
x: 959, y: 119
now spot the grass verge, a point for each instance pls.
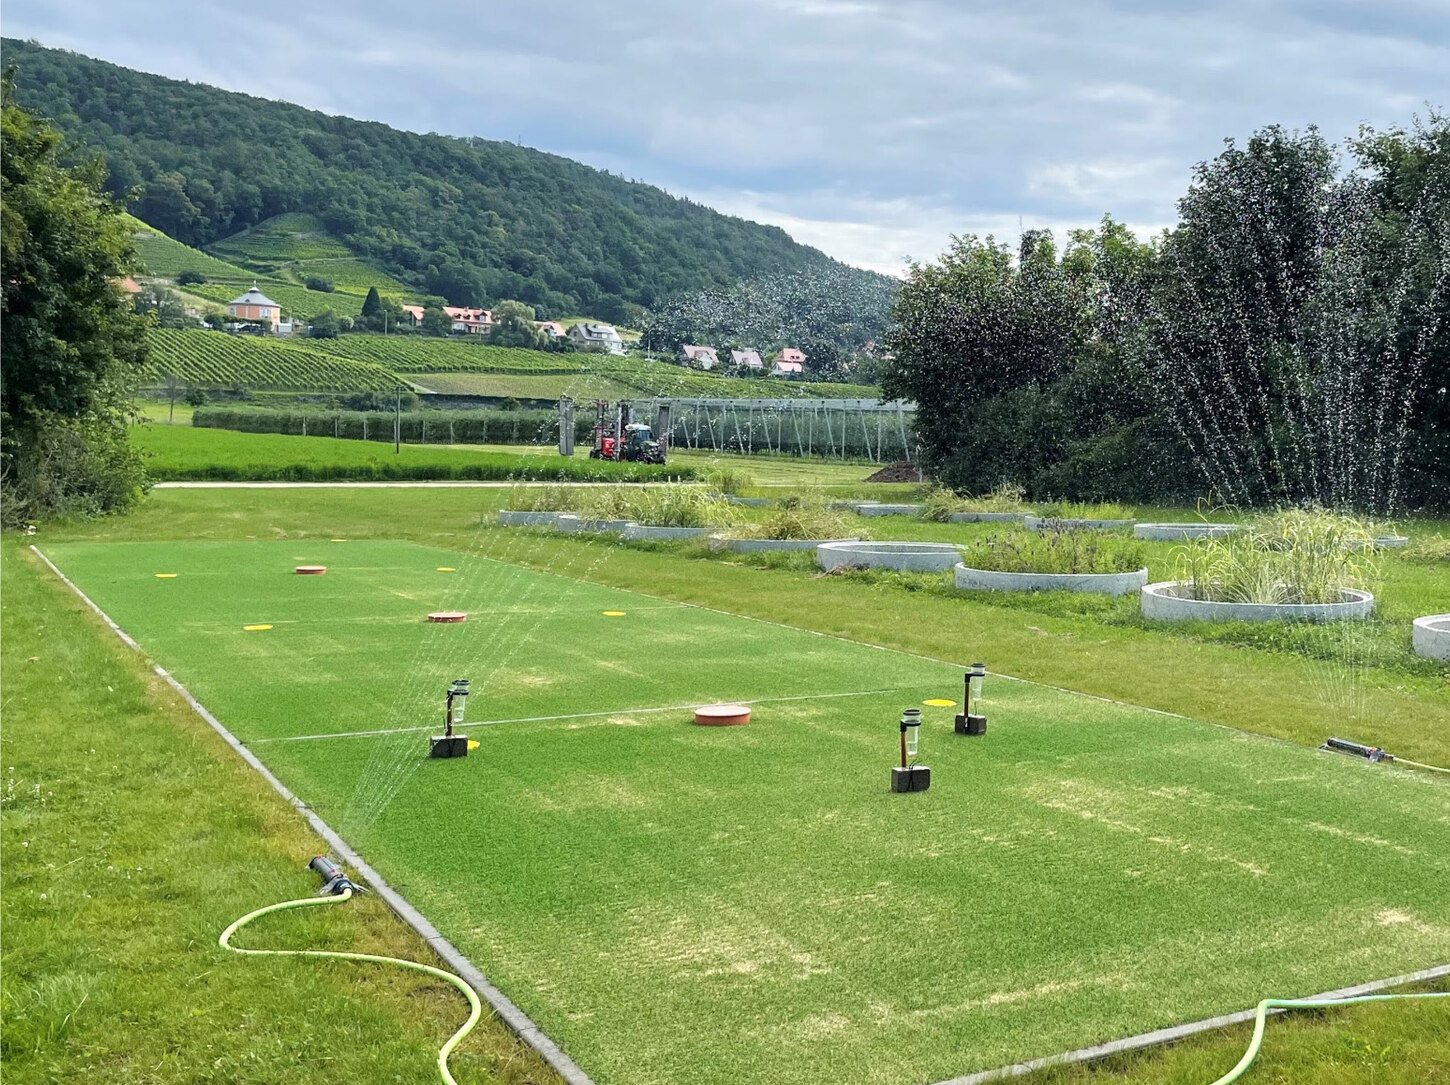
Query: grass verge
x: 131, y: 836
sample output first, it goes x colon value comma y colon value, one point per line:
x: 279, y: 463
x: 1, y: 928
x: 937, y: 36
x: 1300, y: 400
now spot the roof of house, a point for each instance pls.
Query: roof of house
x: 746, y: 357
x: 458, y: 312
x: 415, y: 311
x: 690, y: 351
x: 788, y: 367
x: 130, y: 285
x: 551, y: 327
x: 596, y: 331
x: 254, y: 297
x: 790, y: 354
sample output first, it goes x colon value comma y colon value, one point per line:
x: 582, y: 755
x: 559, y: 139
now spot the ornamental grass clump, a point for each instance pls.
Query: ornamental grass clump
x: 1293, y: 556
x: 549, y: 498
x: 797, y: 517
x: 940, y: 504
x: 680, y: 506
x: 1079, y: 510
x: 1054, y: 551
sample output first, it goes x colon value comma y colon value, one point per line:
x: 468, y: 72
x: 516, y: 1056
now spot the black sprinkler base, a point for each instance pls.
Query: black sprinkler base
x: 915, y: 778
x: 448, y: 746
x: 971, y: 725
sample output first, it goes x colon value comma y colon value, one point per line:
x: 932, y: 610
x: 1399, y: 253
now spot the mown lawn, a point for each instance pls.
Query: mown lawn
x: 1265, y: 691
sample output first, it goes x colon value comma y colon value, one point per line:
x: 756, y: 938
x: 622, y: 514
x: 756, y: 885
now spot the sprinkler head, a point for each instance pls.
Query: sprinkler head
x: 335, y: 881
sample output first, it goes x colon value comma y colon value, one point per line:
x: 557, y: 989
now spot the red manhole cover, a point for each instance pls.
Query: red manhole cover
x: 447, y: 616
x: 722, y: 715
x: 311, y: 570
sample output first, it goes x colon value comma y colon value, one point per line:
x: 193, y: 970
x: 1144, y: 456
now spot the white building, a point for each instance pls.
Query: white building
x: 600, y: 338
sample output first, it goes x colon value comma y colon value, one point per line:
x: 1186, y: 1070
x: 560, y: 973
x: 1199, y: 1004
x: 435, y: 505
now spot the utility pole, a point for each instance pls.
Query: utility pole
x: 398, y: 421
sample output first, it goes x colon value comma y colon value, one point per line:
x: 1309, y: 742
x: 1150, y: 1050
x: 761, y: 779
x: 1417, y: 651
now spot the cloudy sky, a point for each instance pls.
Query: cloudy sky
x: 873, y: 130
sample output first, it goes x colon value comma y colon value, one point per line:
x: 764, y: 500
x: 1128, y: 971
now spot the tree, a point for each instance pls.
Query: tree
x: 318, y: 283
x: 436, y: 322
x: 73, y: 345
x: 324, y: 325
x: 162, y: 306
x: 186, y: 278
x: 372, y: 303
x: 513, y: 326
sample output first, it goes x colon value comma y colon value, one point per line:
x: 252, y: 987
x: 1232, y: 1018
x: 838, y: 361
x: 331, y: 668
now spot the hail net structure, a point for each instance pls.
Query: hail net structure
x: 844, y: 428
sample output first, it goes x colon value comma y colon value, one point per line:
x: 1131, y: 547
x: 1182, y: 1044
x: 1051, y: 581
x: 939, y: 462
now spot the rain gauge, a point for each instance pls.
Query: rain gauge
x: 449, y: 744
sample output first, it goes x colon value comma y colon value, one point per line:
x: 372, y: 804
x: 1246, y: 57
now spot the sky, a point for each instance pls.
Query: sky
x: 872, y: 129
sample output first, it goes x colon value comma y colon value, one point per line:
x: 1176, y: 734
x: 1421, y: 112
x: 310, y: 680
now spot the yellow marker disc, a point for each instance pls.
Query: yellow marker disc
x: 614, y: 614
x: 165, y: 576
x: 447, y: 569
x: 473, y: 743
x: 937, y: 702
x: 255, y: 628
x: 339, y: 540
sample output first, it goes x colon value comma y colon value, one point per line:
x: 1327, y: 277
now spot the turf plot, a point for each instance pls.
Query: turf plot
x: 674, y: 903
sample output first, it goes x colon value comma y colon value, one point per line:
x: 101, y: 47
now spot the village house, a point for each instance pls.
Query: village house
x: 746, y: 359
x: 254, y: 307
x: 552, y: 328
x: 699, y: 357
x: 601, y: 338
x: 788, y: 360
x: 465, y: 321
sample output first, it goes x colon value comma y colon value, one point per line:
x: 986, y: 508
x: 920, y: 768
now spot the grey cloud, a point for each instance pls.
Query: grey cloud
x: 872, y: 129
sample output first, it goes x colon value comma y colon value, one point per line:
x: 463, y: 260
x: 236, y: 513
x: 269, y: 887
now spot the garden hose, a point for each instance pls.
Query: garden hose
x: 1302, y: 1004
x: 475, y: 1008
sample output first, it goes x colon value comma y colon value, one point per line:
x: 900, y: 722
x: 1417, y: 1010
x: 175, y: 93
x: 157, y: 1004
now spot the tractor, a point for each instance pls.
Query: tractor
x: 616, y: 437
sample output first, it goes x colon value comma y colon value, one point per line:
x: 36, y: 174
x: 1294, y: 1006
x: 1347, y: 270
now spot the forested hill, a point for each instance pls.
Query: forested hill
x: 471, y: 220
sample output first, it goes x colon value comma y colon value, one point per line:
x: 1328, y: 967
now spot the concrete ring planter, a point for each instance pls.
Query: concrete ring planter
x: 969, y: 579
x: 916, y: 557
x: 1161, y: 602
x: 985, y: 518
x: 748, y: 502
x: 574, y: 523
x: 511, y: 518
x: 1432, y: 637
x: 647, y: 531
x: 1182, y: 532
x: 1384, y: 542
x: 852, y: 505
x: 880, y: 509
x: 1058, y: 523
x: 748, y: 546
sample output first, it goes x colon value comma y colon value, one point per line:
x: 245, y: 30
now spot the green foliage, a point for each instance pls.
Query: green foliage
x: 321, y: 285
x: 513, y: 326
x: 161, y: 307
x: 372, y: 303
x: 1294, y: 556
x: 324, y: 325
x: 802, y: 516
x: 468, y: 219
x: 186, y: 278
x: 1086, y: 510
x: 553, y: 497
x: 436, y: 322
x: 72, y: 344
x: 219, y: 360
x: 676, y: 506
x: 1054, y: 551
x: 939, y: 503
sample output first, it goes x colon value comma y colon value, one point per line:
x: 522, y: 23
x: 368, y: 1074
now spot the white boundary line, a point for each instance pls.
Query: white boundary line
x: 517, y: 1021
x: 1178, y: 1032
x: 577, y: 716
x: 523, y: 1026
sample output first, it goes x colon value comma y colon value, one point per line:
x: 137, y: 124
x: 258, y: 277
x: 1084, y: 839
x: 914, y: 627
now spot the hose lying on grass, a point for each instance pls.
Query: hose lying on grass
x: 475, y: 1008
x: 1302, y: 1004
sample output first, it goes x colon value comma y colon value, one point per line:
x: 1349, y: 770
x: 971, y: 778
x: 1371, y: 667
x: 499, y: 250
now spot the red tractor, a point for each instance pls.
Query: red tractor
x: 617, y: 438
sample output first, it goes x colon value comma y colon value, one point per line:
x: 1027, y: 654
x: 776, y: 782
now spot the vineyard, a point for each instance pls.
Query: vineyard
x: 215, y: 359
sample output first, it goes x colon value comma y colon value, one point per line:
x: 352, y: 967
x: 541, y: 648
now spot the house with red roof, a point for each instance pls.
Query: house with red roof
x: 788, y: 360
x: 699, y: 357
x: 464, y: 320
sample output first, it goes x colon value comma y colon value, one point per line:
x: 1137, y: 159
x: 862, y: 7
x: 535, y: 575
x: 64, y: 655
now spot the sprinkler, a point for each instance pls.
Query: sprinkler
x: 448, y: 744
x: 1374, y: 753
x: 971, y: 722
x: 335, y: 882
x: 909, y: 776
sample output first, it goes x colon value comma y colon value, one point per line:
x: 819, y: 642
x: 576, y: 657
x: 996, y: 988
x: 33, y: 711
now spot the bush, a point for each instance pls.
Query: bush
x: 1079, y: 510
x: 1019, y: 551
x: 1296, y: 556
x: 551, y: 498
x: 186, y: 278
x: 196, y: 395
x: 70, y: 468
x: 939, y: 504
x: 671, y: 505
x: 316, y: 282
x: 797, y: 517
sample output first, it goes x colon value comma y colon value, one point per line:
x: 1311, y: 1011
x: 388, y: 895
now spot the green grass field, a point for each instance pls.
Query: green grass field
x: 674, y: 903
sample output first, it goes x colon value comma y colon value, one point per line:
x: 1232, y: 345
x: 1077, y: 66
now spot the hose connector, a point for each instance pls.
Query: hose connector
x: 335, y: 881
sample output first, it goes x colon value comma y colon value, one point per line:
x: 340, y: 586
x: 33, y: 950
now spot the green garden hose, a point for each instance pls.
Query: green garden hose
x: 1302, y: 1004
x: 475, y: 1007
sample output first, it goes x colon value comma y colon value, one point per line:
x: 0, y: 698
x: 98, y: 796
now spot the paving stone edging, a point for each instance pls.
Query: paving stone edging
x: 518, y: 1022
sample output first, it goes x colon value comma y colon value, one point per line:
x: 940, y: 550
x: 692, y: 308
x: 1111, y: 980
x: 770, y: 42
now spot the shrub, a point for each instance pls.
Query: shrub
x: 939, y: 504
x: 1020, y: 551
x: 671, y: 505
x: 551, y: 498
x: 797, y: 517
x: 1431, y: 550
x: 316, y: 282
x: 1079, y: 510
x: 1294, y: 556
x: 186, y: 278
x: 723, y: 480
